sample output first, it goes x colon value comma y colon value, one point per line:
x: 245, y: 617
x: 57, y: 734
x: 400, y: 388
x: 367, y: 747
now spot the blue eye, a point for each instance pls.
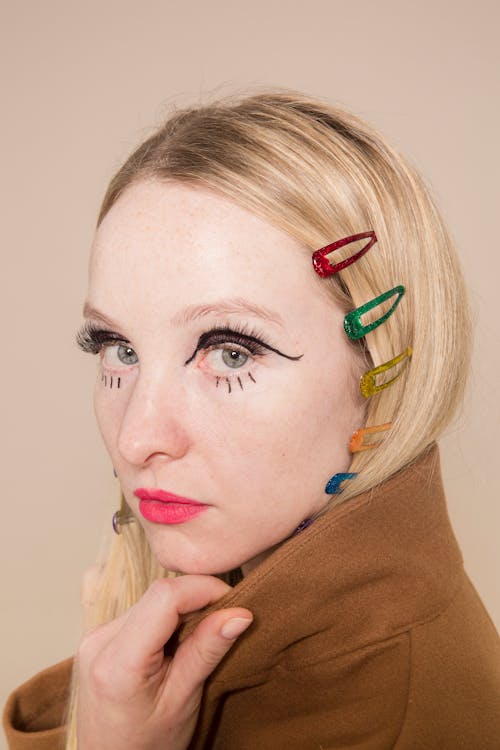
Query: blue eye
x: 219, y: 360
x: 115, y: 356
x: 113, y: 348
x: 234, y: 358
x: 231, y: 348
x: 222, y: 337
x: 126, y: 355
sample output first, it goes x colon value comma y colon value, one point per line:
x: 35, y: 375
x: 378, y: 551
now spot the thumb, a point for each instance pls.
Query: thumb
x: 198, y: 656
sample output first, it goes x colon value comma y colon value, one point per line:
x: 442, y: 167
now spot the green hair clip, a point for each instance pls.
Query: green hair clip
x: 352, y: 321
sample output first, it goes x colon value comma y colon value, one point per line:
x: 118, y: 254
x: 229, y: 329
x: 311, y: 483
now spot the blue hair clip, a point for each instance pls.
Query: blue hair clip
x: 333, y: 485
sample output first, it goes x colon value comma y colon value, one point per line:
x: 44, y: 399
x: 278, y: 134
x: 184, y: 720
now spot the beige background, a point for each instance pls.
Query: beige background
x: 83, y: 83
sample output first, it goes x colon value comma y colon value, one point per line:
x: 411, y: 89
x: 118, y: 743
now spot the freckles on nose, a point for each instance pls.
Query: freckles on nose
x: 151, y: 426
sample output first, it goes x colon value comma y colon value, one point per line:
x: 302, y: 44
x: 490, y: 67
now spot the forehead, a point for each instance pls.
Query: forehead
x: 172, y: 244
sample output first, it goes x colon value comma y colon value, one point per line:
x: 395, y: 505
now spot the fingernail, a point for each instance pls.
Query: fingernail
x: 235, y: 627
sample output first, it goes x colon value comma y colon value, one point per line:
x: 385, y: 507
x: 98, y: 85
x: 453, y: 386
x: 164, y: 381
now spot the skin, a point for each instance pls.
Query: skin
x: 259, y: 455
x: 132, y: 697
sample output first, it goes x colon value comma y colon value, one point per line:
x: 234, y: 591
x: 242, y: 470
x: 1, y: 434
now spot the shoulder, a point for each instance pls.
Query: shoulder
x: 454, y: 677
x: 34, y: 714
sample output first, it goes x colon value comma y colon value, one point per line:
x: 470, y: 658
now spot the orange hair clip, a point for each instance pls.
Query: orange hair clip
x: 356, y: 442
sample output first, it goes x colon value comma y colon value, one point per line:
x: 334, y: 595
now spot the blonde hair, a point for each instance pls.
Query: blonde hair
x: 320, y: 173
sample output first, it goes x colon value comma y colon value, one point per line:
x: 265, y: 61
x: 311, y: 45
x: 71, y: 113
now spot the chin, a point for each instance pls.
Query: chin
x: 203, y: 554
x: 193, y: 561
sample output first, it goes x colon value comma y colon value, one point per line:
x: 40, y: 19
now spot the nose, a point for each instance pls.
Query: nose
x: 154, y: 423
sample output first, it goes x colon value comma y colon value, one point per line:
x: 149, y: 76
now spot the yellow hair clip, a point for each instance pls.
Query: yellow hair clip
x: 356, y: 442
x: 367, y: 384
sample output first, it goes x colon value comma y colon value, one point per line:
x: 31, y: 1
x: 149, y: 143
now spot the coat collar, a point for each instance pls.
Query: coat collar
x: 366, y: 570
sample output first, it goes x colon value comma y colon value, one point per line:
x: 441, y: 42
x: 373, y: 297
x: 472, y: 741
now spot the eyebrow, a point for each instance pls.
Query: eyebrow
x: 237, y: 305
x: 91, y: 312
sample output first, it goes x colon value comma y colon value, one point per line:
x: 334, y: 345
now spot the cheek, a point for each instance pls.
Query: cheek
x: 291, y: 435
x: 109, y: 406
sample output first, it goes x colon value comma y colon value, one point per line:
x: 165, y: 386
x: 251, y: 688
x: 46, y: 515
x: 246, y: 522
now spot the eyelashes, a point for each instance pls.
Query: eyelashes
x: 92, y: 339
x: 248, y: 344
x: 221, y: 337
x: 111, y: 346
x: 253, y: 341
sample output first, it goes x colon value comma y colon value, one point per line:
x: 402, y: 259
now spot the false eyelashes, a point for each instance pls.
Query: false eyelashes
x: 236, y: 333
x: 248, y: 342
x: 91, y: 339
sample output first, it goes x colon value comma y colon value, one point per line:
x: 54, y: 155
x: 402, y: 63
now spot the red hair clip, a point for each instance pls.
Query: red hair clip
x: 322, y: 265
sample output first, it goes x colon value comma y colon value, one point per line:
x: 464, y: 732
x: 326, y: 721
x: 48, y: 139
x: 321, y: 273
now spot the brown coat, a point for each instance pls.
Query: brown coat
x: 368, y: 635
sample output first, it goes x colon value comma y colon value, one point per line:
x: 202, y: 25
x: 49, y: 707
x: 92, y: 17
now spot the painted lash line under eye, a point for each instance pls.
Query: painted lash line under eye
x: 92, y: 339
x: 237, y: 335
x: 228, y: 381
x: 110, y: 381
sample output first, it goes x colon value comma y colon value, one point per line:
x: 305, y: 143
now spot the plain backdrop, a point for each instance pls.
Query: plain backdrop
x: 83, y: 83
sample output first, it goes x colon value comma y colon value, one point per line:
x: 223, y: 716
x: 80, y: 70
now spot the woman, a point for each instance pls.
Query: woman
x: 282, y: 334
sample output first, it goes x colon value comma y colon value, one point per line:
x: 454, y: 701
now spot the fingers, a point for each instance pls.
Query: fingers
x: 129, y: 690
x: 150, y: 623
x: 198, y: 656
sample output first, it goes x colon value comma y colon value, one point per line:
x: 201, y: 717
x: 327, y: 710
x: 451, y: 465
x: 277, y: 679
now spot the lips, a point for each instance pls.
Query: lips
x: 163, y: 507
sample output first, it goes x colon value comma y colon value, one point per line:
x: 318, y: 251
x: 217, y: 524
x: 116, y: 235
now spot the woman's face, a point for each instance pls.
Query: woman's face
x: 225, y: 376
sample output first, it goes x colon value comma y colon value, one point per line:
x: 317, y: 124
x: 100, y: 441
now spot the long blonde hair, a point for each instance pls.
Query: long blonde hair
x: 320, y: 173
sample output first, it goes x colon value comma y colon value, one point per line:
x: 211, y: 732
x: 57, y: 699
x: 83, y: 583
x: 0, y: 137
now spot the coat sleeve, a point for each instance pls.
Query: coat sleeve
x: 34, y: 714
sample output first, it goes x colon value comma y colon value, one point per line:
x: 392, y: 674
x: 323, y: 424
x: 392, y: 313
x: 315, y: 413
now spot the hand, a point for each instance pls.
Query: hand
x: 130, y: 695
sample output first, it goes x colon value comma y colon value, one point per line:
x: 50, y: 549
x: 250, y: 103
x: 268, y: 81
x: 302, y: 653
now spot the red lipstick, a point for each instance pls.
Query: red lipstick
x: 159, y: 506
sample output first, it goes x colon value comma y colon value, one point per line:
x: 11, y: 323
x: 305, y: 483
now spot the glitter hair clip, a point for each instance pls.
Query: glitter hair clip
x: 322, y: 265
x: 368, y: 386
x: 353, y: 326
x: 356, y: 442
x: 333, y: 485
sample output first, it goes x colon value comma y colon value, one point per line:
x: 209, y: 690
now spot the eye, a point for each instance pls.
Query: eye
x: 229, y: 348
x: 223, y: 350
x: 234, y: 358
x: 115, y: 351
x: 114, y: 355
x: 218, y: 360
